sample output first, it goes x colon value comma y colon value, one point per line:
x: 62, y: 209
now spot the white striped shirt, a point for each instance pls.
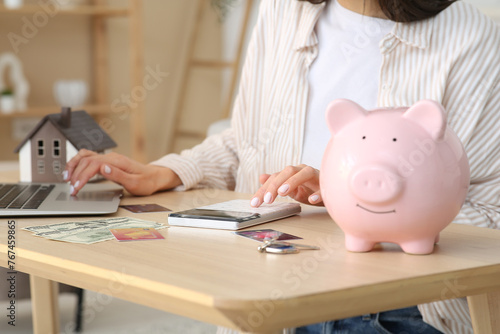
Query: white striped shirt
x: 453, y: 58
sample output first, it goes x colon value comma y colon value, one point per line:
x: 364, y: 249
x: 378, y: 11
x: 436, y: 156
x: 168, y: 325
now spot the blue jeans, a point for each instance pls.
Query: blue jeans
x: 402, y: 321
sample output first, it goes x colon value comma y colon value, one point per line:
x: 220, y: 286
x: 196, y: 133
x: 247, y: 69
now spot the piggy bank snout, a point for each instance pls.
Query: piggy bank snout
x: 375, y: 183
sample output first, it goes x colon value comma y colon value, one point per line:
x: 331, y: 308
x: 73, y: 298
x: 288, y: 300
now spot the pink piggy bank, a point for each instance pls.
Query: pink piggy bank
x: 392, y: 175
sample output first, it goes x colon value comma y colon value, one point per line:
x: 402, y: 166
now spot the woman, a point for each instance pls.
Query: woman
x: 303, y: 55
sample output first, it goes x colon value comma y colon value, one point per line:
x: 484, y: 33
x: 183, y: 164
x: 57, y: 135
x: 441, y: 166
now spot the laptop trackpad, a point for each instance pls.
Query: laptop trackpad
x: 87, y: 196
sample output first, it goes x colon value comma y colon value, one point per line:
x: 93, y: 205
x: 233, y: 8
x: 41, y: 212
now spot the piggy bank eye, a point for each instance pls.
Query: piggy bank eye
x: 364, y: 137
x: 394, y: 139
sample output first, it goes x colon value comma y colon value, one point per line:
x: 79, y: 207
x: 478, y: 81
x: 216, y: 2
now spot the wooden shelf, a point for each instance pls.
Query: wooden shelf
x: 74, y: 10
x: 42, y: 111
x: 99, y: 12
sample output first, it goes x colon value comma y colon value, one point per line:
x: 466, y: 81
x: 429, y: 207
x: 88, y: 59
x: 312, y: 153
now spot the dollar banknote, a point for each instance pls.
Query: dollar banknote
x: 89, y: 232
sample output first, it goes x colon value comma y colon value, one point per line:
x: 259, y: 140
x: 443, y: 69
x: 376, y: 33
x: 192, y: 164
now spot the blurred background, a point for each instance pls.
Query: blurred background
x: 191, y: 45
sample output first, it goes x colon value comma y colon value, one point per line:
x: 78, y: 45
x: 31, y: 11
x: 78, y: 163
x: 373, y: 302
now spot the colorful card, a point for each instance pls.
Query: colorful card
x: 266, y: 234
x: 142, y: 208
x: 137, y: 233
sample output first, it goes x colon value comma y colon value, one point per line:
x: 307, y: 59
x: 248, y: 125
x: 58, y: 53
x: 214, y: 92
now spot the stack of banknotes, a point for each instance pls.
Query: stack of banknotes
x: 91, y: 231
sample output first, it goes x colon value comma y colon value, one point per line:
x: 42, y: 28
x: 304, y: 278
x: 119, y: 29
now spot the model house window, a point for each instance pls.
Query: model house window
x: 56, y: 167
x: 41, y: 147
x: 57, y: 148
x: 40, y: 167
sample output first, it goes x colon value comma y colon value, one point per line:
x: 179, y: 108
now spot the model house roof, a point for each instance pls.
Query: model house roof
x: 78, y: 127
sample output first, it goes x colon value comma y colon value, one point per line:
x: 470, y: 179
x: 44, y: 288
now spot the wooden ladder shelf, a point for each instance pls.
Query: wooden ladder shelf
x: 192, y: 63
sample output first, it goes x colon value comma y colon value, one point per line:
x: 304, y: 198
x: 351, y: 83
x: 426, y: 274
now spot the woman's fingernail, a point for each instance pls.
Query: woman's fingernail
x: 65, y: 175
x: 284, y: 188
x: 71, y: 190
x: 107, y: 169
x: 314, y: 198
x: 268, y: 197
x: 77, y: 183
x: 254, y: 202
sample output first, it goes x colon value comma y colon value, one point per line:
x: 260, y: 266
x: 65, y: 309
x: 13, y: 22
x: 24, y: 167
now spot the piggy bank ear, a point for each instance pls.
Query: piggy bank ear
x: 341, y: 112
x: 430, y: 115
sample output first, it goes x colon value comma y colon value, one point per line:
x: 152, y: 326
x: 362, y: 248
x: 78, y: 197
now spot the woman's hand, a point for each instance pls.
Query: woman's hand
x: 136, y: 178
x: 298, y: 182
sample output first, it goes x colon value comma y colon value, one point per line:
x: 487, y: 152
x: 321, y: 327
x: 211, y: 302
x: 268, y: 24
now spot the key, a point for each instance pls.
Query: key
x: 299, y: 246
x: 262, y: 248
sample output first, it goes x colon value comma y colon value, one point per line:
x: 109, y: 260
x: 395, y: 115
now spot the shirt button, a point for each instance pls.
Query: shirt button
x: 388, y: 44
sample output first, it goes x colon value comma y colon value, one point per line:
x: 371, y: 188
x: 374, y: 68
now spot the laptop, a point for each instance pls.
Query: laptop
x: 54, y: 199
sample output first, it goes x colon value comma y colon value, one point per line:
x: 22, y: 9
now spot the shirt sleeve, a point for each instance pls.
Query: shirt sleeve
x: 476, y: 118
x: 214, y: 163
x: 482, y: 205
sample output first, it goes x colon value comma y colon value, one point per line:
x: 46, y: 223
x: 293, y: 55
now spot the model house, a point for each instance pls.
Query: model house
x: 55, y: 140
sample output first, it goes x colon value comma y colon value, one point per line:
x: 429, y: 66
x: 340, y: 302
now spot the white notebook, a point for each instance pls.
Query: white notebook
x: 232, y: 215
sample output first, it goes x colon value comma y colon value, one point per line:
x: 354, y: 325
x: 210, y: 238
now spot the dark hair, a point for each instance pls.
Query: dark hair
x: 407, y: 10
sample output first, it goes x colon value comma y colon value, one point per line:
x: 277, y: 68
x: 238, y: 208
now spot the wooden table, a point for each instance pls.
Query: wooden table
x: 218, y: 277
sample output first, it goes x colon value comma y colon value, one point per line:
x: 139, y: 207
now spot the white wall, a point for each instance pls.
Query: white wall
x: 490, y: 3
x: 489, y: 7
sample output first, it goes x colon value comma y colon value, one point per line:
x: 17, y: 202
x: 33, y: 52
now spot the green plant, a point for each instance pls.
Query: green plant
x: 6, y: 91
x: 223, y: 7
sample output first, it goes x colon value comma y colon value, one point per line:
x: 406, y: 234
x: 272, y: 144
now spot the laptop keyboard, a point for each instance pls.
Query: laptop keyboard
x: 23, y: 196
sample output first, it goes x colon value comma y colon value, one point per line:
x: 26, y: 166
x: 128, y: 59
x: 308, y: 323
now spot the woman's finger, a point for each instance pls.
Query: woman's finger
x: 274, y: 184
x: 306, y: 176
x: 74, y: 162
x: 315, y: 198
